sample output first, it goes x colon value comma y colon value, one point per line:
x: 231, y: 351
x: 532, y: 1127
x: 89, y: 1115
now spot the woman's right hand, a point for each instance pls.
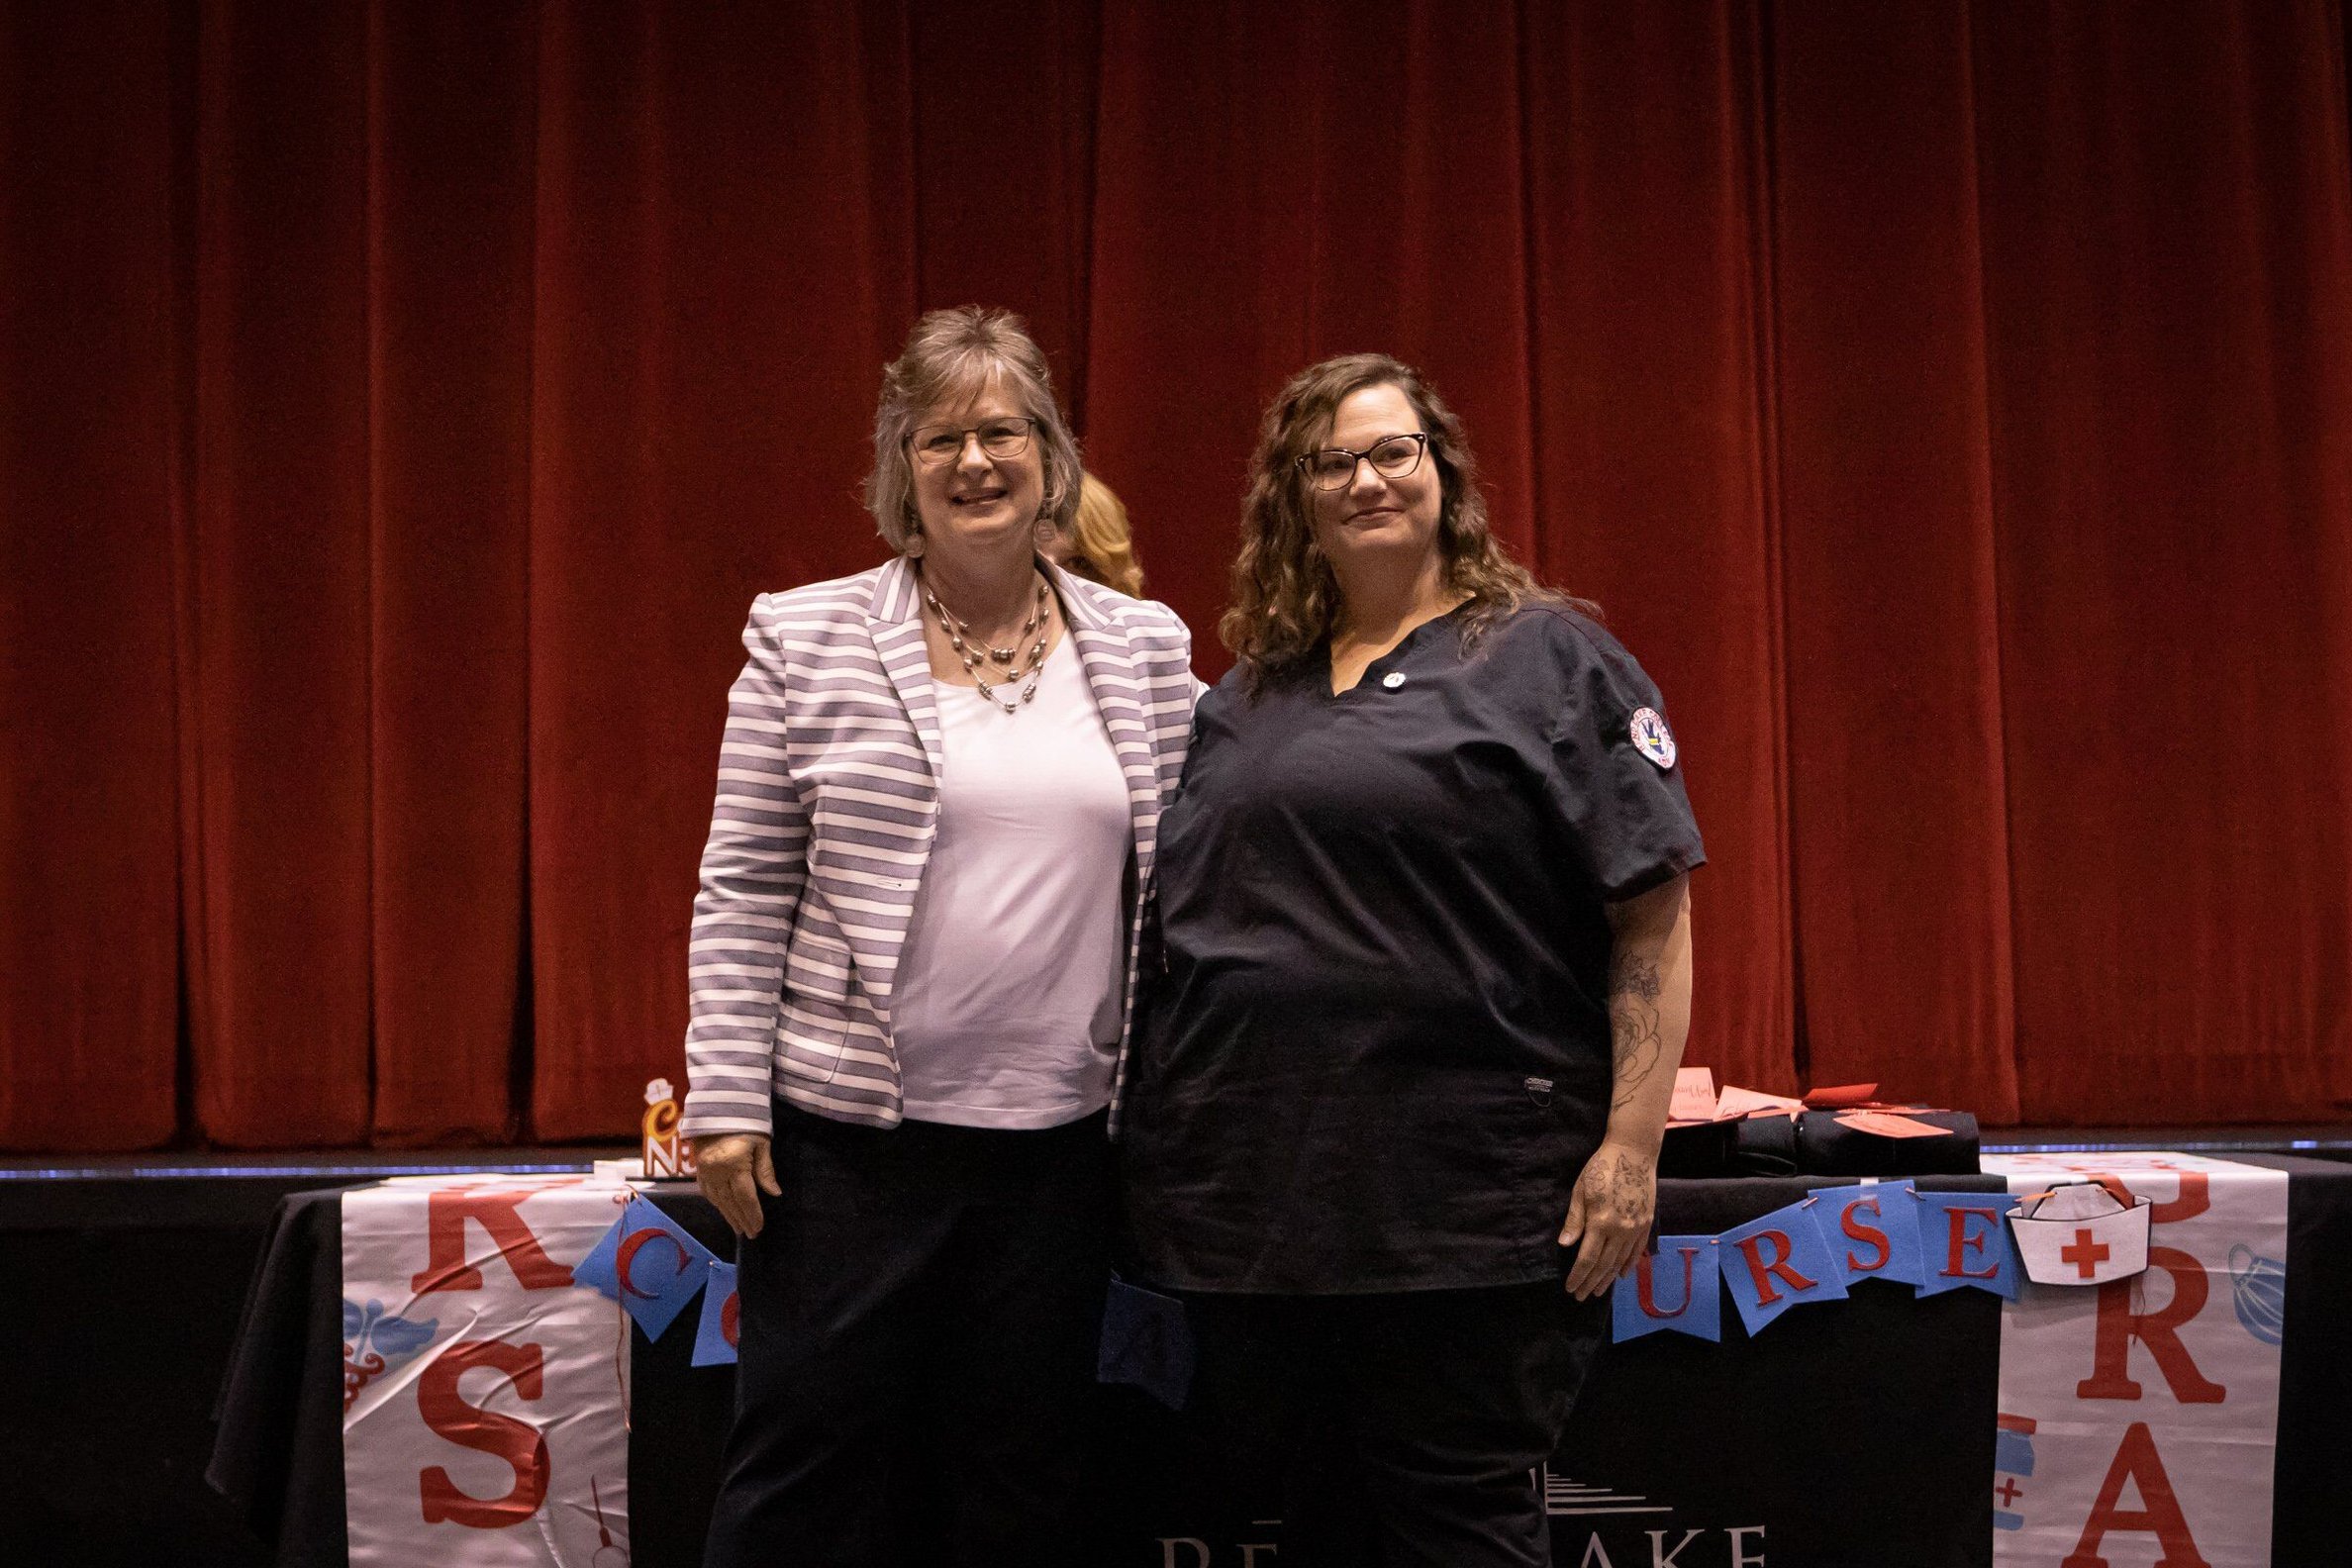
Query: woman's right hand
x: 733, y: 1171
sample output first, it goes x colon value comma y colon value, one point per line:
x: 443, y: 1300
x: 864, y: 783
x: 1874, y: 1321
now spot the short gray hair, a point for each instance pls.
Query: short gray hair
x: 950, y: 356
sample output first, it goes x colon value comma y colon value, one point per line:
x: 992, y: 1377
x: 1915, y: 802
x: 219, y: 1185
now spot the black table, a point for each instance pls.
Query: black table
x: 1883, y: 1396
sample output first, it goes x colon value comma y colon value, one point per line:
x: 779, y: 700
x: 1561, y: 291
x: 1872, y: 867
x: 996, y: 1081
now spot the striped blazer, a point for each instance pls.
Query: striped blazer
x: 828, y: 803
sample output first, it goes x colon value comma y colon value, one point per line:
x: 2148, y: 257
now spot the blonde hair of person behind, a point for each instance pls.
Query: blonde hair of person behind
x: 953, y: 356
x: 1285, y: 600
x: 1105, y: 550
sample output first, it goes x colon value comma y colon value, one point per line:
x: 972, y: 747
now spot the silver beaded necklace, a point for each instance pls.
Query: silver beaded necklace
x: 976, y: 657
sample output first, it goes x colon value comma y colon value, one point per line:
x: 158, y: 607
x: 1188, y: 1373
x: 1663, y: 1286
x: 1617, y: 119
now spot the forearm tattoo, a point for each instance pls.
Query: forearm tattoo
x: 1635, y: 1041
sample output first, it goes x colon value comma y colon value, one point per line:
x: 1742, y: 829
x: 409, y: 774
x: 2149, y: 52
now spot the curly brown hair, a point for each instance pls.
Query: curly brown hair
x: 1284, y: 599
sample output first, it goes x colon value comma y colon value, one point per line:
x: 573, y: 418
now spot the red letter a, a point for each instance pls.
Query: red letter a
x: 2136, y: 1461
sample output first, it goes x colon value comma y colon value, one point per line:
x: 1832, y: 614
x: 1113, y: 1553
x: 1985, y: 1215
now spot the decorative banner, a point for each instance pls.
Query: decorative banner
x: 1964, y: 1240
x: 1813, y: 1249
x: 2139, y: 1417
x: 1871, y: 1232
x: 648, y: 1264
x: 485, y: 1406
x: 715, y: 1335
x: 1676, y: 1287
x: 1773, y: 1263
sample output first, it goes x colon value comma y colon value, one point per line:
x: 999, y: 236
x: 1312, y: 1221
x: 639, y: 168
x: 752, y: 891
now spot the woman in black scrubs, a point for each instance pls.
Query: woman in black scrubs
x: 1425, y: 977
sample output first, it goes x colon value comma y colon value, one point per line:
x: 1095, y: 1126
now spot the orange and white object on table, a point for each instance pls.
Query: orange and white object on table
x: 667, y: 1156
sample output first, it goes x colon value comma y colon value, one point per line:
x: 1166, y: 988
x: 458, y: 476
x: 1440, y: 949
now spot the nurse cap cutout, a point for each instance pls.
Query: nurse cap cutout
x: 1651, y: 738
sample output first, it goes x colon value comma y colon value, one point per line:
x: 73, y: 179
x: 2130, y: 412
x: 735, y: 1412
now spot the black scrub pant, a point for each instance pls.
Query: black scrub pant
x: 920, y: 1314
x: 1407, y: 1426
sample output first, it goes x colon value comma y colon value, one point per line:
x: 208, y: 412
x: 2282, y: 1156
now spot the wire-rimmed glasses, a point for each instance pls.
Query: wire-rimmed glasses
x: 935, y: 444
x: 1391, y: 457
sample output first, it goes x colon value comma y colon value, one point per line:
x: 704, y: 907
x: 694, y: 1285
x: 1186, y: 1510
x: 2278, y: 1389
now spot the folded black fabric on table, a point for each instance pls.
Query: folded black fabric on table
x: 1817, y: 1144
x: 1827, y: 1146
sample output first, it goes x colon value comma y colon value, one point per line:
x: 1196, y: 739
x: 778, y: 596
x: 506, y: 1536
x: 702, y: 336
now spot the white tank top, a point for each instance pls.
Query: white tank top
x: 1009, y: 988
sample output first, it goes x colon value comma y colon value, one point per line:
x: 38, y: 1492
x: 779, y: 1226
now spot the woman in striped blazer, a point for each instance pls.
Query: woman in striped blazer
x: 911, y: 956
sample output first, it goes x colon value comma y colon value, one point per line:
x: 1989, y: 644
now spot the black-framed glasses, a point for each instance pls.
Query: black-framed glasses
x: 934, y: 444
x: 1391, y: 457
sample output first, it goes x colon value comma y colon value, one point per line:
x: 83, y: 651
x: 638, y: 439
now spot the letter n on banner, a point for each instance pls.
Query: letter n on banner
x: 2152, y: 1401
x: 463, y: 1339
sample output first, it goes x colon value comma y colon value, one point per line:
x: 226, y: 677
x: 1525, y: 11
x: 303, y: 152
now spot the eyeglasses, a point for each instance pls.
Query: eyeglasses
x: 935, y: 444
x: 1334, y: 467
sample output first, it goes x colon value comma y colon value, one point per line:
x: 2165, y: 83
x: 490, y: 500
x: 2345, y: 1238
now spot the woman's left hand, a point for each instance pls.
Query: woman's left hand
x: 1608, y: 1216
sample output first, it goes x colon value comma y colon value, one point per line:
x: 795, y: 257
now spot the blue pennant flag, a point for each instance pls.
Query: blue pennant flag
x: 648, y: 1264
x: 1964, y: 1240
x: 1147, y: 1342
x: 1871, y: 1232
x: 1676, y: 1287
x: 715, y: 1335
x: 1773, y: 1263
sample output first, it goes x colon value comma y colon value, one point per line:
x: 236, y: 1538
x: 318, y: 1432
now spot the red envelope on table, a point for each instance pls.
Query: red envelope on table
x: 1886, y: 1124
x: 1844, y: 1097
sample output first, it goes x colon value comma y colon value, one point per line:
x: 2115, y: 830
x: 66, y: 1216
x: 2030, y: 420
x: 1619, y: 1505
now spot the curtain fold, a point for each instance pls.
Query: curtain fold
x: 1654, y: 443
x: 1002, y: 150
x: 724, y: 261
x: 89, y: 896
x: 1898, y: 802
x: 281, y: 586
x: 2168, y: 277
x: 451, y: 136
x: 399, y: 405
x: 1195, y: 289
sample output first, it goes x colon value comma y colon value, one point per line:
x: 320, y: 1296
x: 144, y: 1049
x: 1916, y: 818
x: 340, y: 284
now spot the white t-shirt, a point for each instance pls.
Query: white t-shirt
x: 1007, y: 1005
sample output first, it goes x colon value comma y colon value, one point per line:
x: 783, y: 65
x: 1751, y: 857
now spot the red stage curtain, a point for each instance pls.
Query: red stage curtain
x: 452, y: 138
x: 279, y: 597
x: 724, y: 261
x: 1651, y: 292
x: 399, y: 405
x: 90, y: 906
x: 2168, y: 294
x: 1896, y: 805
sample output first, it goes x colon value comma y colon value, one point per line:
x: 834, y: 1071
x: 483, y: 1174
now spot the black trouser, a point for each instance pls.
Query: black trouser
x: 920, y: 1314
x: 1405, y: 1426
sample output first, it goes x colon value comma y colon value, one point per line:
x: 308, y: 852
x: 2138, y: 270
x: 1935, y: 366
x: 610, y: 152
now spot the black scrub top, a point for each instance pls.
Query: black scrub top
x: 1374, y: 1052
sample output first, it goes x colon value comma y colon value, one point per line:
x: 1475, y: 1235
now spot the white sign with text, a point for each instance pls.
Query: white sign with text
x: 485, y: 1395
x: 2138, y: 1418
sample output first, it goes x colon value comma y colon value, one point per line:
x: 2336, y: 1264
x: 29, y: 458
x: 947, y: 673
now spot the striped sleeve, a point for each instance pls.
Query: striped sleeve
x: 753, y: 869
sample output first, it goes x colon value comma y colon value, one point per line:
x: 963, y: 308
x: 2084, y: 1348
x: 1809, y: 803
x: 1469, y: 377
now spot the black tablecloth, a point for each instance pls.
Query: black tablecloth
x: 1857, y: 1433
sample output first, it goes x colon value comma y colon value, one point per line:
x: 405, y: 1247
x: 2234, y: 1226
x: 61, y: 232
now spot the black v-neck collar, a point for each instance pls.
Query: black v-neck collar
x: 1381, y: 665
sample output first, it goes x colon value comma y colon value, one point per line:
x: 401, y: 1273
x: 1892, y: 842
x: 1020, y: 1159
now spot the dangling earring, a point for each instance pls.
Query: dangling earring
x: 1046, y: 531
x: 914, y: 547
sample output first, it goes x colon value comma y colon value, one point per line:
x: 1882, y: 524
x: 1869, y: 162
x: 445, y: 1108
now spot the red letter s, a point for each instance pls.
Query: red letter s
x: 485, y: 1431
